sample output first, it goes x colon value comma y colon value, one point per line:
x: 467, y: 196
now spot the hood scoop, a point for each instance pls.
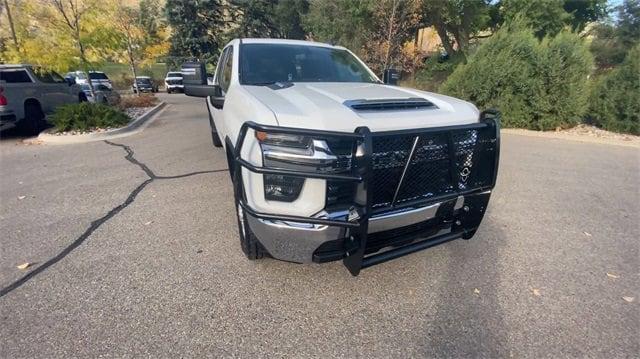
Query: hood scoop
x: 396, y: 104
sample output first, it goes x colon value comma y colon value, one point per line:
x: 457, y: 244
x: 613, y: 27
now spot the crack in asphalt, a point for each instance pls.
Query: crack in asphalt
x: 100, y: 221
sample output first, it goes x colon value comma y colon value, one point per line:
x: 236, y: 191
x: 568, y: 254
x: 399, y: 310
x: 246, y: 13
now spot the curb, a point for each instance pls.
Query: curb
x: 134, y: 127
x: 571, y: 137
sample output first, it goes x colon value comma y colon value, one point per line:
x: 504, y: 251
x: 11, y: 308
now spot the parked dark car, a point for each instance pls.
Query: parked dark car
x: 144, y: 84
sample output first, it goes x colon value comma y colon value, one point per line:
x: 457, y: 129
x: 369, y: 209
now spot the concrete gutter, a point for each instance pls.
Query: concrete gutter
x: 132, y: 128
x: 624, y: 140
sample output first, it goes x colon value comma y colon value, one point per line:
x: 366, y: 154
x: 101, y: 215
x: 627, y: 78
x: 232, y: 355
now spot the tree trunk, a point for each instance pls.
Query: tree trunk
x: 444, y: 38
x: 389, y: 36
x: 11, y: 26
x: 85, y: 64
x: 463, y: 43
x: 132, y: 64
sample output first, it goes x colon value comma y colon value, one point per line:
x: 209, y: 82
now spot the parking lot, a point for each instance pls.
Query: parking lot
x: 139, y: 256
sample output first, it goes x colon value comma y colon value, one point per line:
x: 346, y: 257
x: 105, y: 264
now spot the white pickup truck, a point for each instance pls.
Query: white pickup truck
x: 329, y: 163
x: 28, y: 93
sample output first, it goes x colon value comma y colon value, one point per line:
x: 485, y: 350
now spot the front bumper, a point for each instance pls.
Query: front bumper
x: 305, y: 243
x: 174, y: 87
x: 363, y: 236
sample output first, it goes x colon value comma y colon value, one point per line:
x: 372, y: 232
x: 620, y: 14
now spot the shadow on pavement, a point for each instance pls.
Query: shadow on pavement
x: 469, y: 323
x: 17, y: 133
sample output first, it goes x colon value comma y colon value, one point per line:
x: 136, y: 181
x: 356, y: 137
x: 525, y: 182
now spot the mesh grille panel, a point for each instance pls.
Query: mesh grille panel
x: 390, y: 154
x: 430, y: 172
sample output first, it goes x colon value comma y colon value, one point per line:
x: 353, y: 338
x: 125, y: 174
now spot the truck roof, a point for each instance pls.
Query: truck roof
x: 14, y: 66
x: 288, y: 42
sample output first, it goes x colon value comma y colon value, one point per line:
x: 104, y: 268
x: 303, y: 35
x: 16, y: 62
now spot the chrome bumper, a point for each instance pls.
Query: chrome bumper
x: 297, y: 242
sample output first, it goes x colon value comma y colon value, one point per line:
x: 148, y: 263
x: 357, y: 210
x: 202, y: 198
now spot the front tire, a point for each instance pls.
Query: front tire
x: 33, y: 121
x: 249, y: 243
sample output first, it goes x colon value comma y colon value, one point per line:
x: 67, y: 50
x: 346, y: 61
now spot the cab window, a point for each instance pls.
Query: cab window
x: 14, y: 76
x: 47, y: 76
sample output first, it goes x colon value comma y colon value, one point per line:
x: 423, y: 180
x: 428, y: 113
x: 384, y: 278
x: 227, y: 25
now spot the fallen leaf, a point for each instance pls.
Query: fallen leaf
x: 148, y: 223
x: 24, y: 265
x: 22, y: 197
x: 610, y: 275
x: 536, y: 292
x: 477, y: 291
x: 628, y: 299
x: 587, y: 234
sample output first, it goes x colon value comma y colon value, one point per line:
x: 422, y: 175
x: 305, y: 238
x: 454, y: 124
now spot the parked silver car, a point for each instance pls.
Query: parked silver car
x: 104, y: 94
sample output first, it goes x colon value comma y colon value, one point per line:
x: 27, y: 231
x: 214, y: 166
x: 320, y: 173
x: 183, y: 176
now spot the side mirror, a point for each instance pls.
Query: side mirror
x: 70, y: 81
x: 391, y: 77
x: 194, y: 79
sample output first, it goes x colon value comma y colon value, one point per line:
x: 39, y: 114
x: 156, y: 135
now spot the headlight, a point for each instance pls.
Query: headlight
x: 298, y: 153
x: 283, y: 139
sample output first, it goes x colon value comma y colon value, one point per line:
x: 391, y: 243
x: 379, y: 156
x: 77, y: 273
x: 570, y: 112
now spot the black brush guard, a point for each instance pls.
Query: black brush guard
x: 462, y: 225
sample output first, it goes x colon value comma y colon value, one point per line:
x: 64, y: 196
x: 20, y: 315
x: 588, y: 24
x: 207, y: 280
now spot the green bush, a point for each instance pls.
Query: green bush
x: 536, y: 84
x: 87, y: 116
x: 615, y: 98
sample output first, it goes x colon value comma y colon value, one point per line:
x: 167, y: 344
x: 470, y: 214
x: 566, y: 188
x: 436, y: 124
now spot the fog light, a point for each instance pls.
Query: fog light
x: 282, y: 188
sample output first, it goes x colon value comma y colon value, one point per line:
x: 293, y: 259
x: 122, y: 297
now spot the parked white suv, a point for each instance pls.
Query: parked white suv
x: 329, y: 163
x: 28, y: 93
x: 173, y: 82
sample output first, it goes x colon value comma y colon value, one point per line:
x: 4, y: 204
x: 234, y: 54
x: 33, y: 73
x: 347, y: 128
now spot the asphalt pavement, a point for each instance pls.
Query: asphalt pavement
x: 135, y: 252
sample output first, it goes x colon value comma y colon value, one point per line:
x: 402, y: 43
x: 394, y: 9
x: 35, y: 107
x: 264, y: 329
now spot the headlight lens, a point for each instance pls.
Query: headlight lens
x: 299, y: 153
x: 283, y: 139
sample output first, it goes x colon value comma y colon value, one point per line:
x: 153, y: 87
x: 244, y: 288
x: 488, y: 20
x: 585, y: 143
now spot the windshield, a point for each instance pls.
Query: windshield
x: 174, y: 74
x: 98, y: 76
x: 143, y: 81
x: 269, y: 63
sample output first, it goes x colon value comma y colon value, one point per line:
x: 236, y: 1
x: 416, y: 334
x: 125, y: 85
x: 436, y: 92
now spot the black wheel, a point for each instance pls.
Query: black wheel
x: 248, y: 241
x: 82, y: 97
x: 33, y: 121
x: 168, y: 91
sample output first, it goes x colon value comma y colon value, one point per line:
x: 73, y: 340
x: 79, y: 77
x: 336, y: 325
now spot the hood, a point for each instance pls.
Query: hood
x: 322, y: 106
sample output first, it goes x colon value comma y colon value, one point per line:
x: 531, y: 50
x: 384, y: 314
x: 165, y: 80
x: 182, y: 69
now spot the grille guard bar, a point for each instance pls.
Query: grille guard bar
x: 360, y: 173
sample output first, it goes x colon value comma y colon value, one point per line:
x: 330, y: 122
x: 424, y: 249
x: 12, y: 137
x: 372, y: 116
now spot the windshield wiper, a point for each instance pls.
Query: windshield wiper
x: 274, y: 85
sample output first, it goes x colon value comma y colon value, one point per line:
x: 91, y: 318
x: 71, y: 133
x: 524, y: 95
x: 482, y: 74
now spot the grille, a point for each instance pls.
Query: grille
x: 430, y: 171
